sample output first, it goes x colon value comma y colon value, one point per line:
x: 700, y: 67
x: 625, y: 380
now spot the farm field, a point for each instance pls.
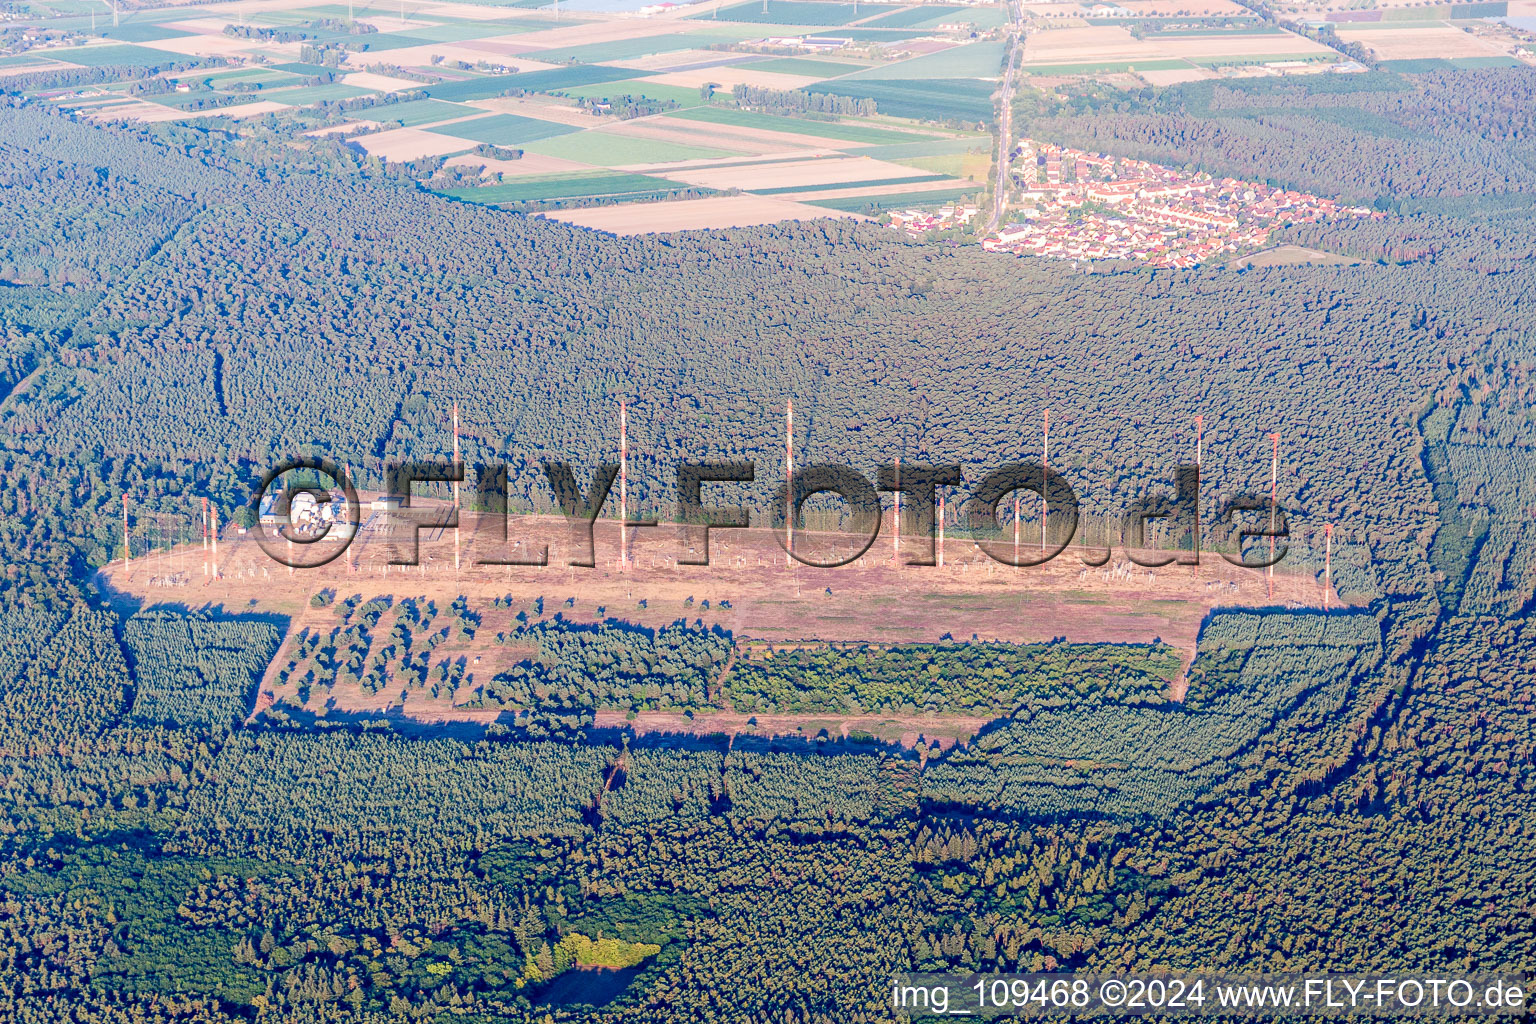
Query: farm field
x: 1420, y: 42
x: 689, y: 215
x: 448, y: 91
x: 1101, y: 48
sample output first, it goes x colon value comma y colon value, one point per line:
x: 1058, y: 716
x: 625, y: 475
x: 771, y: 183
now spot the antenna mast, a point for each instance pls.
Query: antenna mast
x: 205, y: 536
x: 623, y: 484
x: 1045, y: 472
x: 789, y: 474
x: 213, y: 520
x: 1274, y: 472
x: 941, y: 529
x: 127, y: 548
x: 1327, y: 562
x: 896, y: 520
x: 1199, y: 453
x: 456, y: 485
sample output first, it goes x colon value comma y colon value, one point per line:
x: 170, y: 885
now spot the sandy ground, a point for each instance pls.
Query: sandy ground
x: 942, y: 731
x: 873, y: 600
x: 692, y: 214
x: 1415, y: 43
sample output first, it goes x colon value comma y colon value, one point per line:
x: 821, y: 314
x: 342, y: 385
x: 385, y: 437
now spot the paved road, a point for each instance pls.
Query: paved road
x: 1005, y: 119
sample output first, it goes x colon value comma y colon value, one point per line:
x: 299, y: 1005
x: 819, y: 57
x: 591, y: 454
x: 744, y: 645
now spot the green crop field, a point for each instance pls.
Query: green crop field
x: 681, y: 95
x: 125, y: 54
x: 607, y: 149
x: 139, y: 33
x: 504, y: 129
x: 566, y: 186
x: 935, y: 99
x: 412, y: 113
x: 975, y: 60
x: 839, y: 130
x: 309, y: 94
x: 794, y: 12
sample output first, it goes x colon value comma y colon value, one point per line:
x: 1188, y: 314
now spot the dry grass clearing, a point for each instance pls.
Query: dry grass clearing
x: 872, y: 599
x: 692, y: 215
x: 749, y: 589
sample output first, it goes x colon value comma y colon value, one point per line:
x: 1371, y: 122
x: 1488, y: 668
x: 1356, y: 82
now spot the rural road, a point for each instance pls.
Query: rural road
x: 1005, y: 118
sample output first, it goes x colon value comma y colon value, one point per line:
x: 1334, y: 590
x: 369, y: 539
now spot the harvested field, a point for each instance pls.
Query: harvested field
x: 1426, y: 41
x: 1173, y: 76
x: 402, y: 144
x: 379, y: 83
x: 691, y: 215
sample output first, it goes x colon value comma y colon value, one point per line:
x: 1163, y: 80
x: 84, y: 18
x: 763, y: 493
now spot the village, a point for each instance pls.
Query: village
x: 1070, y: 204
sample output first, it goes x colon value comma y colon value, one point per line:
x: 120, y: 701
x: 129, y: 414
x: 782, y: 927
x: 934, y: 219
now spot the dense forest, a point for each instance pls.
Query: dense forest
x: 1349, y: 791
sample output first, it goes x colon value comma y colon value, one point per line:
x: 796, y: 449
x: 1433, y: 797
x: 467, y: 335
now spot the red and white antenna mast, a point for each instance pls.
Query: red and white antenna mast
x: 941, y: 529
x: 456, y: 484
x: 205, y: 536
x: 1327, y: 562
x: 623, y: 484
x: 896, y: 520
x: 213, y: 527
x: 1199, y: 459
x: 1045, y: 472
x: 1015, y: 527
x: 789, y: 480
x: 127, y: 548
x: 1274, y: 473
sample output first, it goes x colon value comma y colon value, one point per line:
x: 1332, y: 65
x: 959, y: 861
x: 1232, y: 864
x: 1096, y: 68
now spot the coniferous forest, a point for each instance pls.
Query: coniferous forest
x: 1352, y: 790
